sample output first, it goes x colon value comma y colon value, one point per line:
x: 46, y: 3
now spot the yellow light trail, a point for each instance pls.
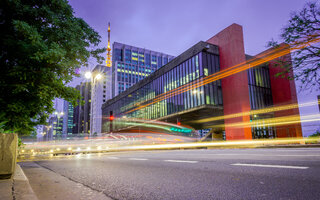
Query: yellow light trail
x: 257, y: 60
x: 276, y: 121
x: 256, y: 112
x: 31, y: 155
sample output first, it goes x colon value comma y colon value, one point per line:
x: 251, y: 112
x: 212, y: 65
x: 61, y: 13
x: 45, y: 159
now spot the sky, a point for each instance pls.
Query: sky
x: 173, y: 26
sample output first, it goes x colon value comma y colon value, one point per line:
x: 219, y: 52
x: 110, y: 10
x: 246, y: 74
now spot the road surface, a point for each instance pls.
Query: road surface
x: 288, y: 173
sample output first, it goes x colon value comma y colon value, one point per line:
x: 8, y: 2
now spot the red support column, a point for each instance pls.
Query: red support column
x: 283, y: 93
x: 234, y: 88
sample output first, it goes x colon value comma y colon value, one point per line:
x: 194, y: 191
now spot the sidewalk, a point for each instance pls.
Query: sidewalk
x: 44, y: 184
x: 49, y: 185
x: 17, y: 188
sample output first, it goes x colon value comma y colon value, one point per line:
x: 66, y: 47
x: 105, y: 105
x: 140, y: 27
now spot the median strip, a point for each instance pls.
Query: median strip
x: 271, y: 166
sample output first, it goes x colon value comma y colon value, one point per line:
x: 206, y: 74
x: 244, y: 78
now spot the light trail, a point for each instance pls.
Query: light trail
x: 45, y: 153
x: 276, y: 121
x: 256, y: 112
x: 256, y: 61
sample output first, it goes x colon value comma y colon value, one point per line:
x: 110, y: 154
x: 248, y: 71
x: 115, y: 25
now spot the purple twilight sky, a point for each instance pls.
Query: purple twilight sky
x: 172, y: 26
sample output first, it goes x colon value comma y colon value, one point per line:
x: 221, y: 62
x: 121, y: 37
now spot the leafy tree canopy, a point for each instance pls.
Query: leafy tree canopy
x: 303, y: 27
x: 42, y: 43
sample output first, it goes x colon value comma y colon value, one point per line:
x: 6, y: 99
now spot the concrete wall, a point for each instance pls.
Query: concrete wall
x: 235, y: 90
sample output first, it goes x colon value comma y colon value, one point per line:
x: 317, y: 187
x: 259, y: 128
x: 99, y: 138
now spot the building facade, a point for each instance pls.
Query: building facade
x: 81, y: 115
x: 100, y: 93
x: 68, y: 124
x: 131, y: 64
x: 201, y: 88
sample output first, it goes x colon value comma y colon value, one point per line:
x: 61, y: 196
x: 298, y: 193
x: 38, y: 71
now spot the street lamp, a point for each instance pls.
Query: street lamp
x: 98, y: 76
x: 88, y: 75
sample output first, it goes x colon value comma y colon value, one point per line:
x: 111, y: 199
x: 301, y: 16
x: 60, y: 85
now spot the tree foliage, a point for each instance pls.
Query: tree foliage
x: 303, y: 27
x: 42, y: 43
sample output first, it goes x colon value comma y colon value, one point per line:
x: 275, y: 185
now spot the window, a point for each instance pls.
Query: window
x: 159, y: 62
x: 118, y: 54
x: 128, y: 56
x: 259, y: 87
x: 147, y: 59
x: 134, y: 57
x: 165, y: 61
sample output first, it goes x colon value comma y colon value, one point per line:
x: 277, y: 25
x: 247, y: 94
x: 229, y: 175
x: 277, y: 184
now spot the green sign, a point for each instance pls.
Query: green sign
x: 180, y: 130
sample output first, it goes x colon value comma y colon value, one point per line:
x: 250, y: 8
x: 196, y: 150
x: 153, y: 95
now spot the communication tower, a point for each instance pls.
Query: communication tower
x: 108, y: 60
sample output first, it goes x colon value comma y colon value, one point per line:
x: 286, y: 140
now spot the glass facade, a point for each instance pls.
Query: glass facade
x: 157, y: 98
x: 190, y: 70
x: 70, y: 124
x: 132, y: 64
x: 260, y: 97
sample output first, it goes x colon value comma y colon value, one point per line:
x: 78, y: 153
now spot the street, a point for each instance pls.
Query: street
x: 183, y: 174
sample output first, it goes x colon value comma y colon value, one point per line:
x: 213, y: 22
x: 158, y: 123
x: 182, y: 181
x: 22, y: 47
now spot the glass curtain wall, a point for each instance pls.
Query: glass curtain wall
x: 191, y: 70
x: 260, y: 97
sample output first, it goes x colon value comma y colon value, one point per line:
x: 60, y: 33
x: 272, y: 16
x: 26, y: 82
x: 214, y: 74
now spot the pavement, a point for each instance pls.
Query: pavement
x: 286, y: 173
x: 17, y: 188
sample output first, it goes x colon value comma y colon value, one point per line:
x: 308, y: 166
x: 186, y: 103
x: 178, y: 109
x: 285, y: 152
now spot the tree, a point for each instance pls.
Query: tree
x: 42, y: 43
x: 303, y: 27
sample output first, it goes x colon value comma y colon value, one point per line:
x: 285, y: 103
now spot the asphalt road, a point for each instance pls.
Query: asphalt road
x: 188, y: 174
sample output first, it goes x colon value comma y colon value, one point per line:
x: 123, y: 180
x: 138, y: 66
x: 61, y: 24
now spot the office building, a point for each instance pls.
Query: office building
x: 81, y: 115
x: 100, y: 93
x: 211, y: 85
x: 68, y: 124
x: 131, y: 64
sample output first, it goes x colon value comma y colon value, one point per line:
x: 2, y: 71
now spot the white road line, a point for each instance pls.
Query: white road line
x: 181, y: 161
x: 272, y: 166
x: 112, y: 157
x: 282, y: 155
x: 297, y: 150
x: 138, y: 159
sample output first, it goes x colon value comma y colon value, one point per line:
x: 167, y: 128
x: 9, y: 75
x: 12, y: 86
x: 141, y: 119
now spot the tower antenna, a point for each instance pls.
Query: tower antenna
x: 108, y: 60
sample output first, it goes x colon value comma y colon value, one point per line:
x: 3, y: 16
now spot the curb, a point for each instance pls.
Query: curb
x: 21, y: 186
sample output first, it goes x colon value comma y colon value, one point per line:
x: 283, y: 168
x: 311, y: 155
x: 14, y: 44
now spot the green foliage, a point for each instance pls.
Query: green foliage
x: 303, y: 27
x: 20, y: 143
x: 42, y: 43
x: 317, y: 134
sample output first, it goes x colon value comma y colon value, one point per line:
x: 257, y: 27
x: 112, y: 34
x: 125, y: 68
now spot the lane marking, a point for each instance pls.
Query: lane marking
x: 234, y: 154
x: 297, y: 150
x: 181, y: 161
x: 272, y: 166
x: 138, y: 159
x: 113, y: 157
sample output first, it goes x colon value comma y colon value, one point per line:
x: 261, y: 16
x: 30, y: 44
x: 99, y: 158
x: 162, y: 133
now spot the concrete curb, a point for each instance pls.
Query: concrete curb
x: 21, y: 186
